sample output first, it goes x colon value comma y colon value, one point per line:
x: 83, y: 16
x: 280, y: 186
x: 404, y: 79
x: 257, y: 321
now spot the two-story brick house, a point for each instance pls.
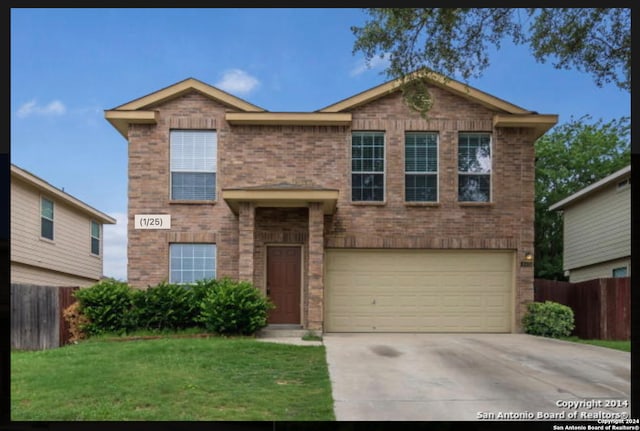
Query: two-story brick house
x: 361, y: 216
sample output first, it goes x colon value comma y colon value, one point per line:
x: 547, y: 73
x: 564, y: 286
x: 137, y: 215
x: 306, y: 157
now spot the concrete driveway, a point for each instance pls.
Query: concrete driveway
x: 450, y: 377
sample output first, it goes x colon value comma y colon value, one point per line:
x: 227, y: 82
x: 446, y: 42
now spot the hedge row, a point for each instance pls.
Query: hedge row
x: 221, y: 306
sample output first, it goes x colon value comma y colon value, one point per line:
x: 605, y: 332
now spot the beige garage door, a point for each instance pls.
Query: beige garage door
x: 418, y: 291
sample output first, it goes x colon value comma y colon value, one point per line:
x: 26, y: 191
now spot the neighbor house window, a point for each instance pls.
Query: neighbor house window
x: 367, y: 166
x: 474, y: 167
x: 624, y: 184
x: 619, y: 272
x: 95, y: 238
x: 193, y: 164
x: 46, y: 218
x: 192, y: 262
x: 421, y: 167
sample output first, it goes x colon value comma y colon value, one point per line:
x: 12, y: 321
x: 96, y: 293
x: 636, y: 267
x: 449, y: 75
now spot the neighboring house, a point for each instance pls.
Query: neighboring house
x: 361, y: 216
x: 597, y: 229
x: 56, y: 239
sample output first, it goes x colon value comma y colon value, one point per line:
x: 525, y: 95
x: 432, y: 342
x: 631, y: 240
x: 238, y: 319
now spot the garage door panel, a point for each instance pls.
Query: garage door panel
x: 497, y: 301
x: 358, y: 323
x: 406, y: 302
x: 409, y: 258
x: 418, y: 291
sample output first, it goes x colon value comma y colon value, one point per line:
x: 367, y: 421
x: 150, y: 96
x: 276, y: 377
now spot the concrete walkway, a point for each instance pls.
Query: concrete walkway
x: 451, y: 377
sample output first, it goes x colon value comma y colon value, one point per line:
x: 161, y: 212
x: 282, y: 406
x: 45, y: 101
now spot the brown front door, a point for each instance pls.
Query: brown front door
x: 283, y: 283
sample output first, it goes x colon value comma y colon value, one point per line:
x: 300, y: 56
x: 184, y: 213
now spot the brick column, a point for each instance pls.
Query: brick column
x: 246, y: 227
x: 525, y: 274
x: 316, y: 267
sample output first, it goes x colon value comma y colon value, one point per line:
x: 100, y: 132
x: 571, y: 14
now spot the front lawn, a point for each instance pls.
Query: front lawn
x: 181, y: 379
x: 611, y: 344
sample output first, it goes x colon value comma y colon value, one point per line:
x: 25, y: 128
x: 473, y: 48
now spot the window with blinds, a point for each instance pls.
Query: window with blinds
x: 193, y: 164
x: 474, y: 167
x: 421, y: 167
x: 95, y: 238
x: 367, y: 166
x: 46, y: 218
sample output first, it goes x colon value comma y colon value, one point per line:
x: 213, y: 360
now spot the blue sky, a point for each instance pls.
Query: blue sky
x: 69, y: 65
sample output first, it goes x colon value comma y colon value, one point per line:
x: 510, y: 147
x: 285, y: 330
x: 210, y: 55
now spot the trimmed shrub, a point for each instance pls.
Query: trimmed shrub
x: 233, y: 307
x: 548, y: 319
x: 198, y: 291
x: 107, y: 305
x: 165, y: 306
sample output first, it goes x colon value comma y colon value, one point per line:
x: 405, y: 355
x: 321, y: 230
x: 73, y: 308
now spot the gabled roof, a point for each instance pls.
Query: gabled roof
x: 589, y: 190
x: 185, y: 86
x: 44, y: 186
x: 139, y: 111
x: 448, y: 84
x: 509, y: 115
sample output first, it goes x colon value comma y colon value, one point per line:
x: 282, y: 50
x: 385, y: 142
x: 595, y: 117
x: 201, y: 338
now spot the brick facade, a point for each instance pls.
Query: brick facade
x: 319, y: 156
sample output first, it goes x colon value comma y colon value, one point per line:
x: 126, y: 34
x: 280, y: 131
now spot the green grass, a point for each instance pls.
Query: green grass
x: 625, y: 346
x: 150, y: 334
x: 195, y: 379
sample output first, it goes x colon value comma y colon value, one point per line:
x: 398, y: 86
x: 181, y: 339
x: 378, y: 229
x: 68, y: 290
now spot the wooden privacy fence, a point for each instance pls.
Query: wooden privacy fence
x: 601, y: 307
x: 36, y: 316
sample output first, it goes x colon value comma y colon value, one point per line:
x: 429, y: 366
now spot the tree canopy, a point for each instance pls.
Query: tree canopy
x: 568, y: 158
x: 455, y: 41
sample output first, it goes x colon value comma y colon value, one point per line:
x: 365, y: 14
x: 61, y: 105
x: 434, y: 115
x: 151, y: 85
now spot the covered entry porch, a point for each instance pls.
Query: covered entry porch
x: 281, y: 247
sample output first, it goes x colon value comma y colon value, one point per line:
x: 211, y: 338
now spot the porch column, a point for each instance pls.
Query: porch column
x: 316, y: 267
x: 246, y: 227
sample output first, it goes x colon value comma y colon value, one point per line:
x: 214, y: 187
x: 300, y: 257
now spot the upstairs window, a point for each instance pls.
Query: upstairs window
x: 46, y: 218
x: 193, y: 165
x: 474, y: 167
x: 95, y: 238
x: 421, y: 167
x: 367, y: 166
x: 624, y: 184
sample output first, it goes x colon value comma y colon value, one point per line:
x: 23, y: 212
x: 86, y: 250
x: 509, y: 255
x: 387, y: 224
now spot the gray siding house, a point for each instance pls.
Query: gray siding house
x: 56, y: 239
x: 597, y: 229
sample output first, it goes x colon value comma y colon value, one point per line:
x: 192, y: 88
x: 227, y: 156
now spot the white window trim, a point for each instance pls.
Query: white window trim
x: 99, y: 237
x: 215, y: 171
x: 490, y: 174
x: 384, y: 167
x: 436, y: 173
x: 53, y: 223
x: 215, y: 254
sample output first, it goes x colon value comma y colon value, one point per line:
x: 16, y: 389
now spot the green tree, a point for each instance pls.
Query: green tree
x: 568, y: 158
x: 452, y: 41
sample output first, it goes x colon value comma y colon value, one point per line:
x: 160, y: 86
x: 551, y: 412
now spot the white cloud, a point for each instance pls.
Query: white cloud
x: 115, y: 247
x: 237, y: 81
x: 32, y: 107
x: 26, y: 109
x: 377, y: 62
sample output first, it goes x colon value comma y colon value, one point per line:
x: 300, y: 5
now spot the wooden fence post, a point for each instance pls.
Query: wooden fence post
x: 36, y: 316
